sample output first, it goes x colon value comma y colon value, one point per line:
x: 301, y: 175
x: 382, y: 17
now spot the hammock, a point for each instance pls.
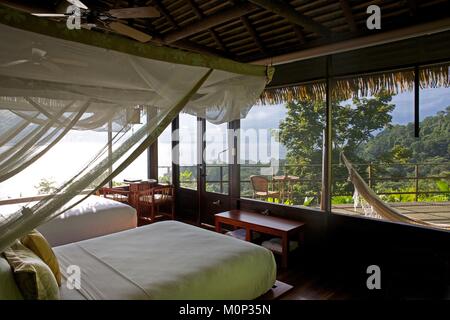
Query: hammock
x: 377, y: 207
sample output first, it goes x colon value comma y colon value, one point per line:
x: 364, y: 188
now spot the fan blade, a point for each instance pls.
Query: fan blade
x: 78, y: 3
x: 50, y: 15
x: 14, y: 63
x: 129, y: 31
x: 138, y: 12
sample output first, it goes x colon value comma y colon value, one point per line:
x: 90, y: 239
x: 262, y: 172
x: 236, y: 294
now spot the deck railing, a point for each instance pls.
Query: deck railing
x: 412, y: 172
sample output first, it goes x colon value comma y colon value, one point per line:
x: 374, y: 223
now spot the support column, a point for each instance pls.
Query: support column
x: 327, y: 144
x: 152, y: 151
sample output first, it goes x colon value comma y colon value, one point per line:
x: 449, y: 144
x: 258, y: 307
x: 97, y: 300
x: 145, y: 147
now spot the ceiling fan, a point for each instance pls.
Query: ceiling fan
x: 109, y: 19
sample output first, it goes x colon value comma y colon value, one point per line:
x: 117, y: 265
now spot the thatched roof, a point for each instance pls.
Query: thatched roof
x: 394, y: 82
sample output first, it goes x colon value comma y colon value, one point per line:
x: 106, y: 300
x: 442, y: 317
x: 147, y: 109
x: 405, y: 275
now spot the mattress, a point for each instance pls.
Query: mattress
x: 167, y: 260
x: 94, y: 217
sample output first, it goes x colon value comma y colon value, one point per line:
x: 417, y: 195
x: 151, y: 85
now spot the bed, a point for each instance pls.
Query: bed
x: 94, y: 217
x: 167, y: 260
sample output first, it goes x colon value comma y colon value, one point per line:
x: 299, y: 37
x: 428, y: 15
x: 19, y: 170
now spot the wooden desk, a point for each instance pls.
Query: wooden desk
x: 251, y: 221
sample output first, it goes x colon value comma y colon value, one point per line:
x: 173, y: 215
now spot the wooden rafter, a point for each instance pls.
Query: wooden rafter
x: 299, y: 33
x: 158, y: 5
x: 253, y: 34
x: 412, y: 7
x: 345, y: 6
x: 211, y: 31
x: 184, y: 43
x: 287, y: 11
x: 210, y: 21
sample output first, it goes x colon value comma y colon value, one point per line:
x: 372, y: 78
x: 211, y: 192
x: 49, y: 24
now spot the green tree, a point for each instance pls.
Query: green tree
x: 46, y: 186
x: 353, y: 125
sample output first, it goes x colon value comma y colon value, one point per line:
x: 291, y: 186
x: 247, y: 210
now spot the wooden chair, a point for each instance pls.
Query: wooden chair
x: 116, y: 194
x: 260, y: 186
x: 151, y: 201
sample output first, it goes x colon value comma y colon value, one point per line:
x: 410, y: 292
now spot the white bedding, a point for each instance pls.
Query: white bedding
x: 168, y: 260
x: 94, y: 217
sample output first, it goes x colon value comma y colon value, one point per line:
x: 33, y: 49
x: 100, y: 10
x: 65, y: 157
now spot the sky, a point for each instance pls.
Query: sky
x: 78, y: 147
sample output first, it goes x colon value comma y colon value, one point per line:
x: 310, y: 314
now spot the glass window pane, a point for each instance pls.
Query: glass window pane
x: 165, y: 156
x: 188, y: 151
x: 73, y: 151
x: 138, y: 169
x: 216, y: 158
x: 375, y: 130
x: 280, y: 153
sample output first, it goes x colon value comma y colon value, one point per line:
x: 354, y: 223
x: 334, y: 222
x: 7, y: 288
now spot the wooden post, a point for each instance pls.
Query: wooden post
x: 221, y: 178
x: 416, y: 172
x: 325, y: 203
x: 370, y: 175
x: 152, y: 151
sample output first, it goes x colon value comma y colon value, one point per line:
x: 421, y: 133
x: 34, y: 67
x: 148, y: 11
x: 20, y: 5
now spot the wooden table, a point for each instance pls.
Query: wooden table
x: 251, y: 221
x: 285, y: 185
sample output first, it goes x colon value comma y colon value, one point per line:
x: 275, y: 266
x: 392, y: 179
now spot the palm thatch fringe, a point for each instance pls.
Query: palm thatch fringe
x: 345, y: 88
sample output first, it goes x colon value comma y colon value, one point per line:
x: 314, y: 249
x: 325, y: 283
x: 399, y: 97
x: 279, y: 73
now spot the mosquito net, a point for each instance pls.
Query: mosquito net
x: 50, y: 86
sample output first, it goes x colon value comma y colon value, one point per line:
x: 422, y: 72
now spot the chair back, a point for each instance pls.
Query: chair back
x: 165, y: 192
x: 259, y: 183
x: 116, y: 194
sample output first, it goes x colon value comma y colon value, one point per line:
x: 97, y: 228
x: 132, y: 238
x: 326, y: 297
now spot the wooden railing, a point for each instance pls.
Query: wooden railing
x: 367, y: 170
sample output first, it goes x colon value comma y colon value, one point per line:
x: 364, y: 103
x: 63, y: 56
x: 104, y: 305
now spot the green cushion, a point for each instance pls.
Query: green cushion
x: 8, y: 287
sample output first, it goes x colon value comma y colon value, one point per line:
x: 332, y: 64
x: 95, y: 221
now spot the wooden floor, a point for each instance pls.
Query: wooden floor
x: 434, y: 212
x: 309, y: 285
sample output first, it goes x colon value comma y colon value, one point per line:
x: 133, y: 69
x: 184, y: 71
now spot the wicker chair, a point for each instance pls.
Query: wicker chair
x: 261, y: 190
x: 116, y: 194
x: 152, y: 200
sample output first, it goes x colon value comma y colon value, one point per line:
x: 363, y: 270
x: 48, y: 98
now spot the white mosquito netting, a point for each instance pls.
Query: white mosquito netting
x: 49, y: 86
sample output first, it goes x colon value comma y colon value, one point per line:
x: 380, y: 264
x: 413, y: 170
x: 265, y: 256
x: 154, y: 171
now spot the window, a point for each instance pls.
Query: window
x: 375, y: 131
x: 216, y: 158
x: 165, y: 156
x: 74, y: 151
x: 138, y: 168
x: 281, y: 152
x: 188, y: 151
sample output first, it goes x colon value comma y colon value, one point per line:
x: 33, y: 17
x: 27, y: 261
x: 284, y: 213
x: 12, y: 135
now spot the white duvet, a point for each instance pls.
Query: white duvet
x: 168, y: 260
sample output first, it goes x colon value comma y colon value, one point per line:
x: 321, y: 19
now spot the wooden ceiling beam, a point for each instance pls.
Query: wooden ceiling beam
x: 299, y: 33
x: 287, y: 11
x: 158, y: 5
x: 210, y: 21
x: 181, y: 44
x: 201, y: 16
x: 253, y: 34
x: 412, y: 7
x: 345, y: 6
